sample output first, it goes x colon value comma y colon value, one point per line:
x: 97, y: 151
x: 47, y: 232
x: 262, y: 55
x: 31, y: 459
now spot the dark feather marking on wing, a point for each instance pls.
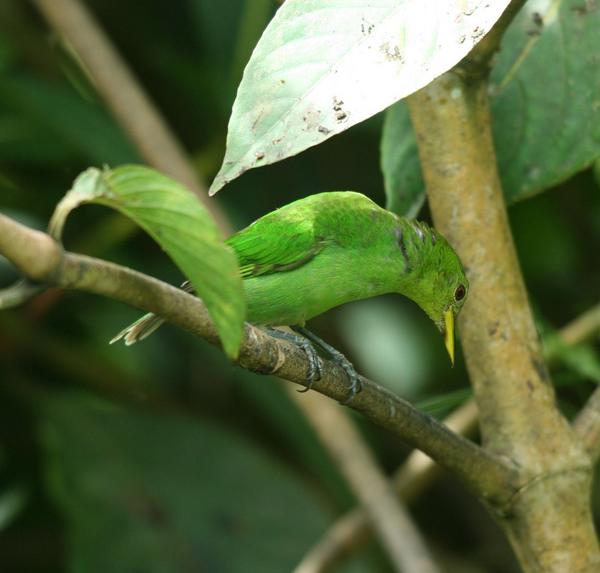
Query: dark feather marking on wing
x: 400, y: 241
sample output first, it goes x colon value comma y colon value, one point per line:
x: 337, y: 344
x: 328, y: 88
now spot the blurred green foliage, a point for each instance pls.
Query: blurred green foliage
x: 164, y: 456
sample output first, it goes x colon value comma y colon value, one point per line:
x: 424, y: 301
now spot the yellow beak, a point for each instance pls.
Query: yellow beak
x: 449, y: 333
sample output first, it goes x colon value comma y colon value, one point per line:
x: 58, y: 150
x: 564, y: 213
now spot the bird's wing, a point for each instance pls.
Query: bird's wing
x: 275, y: 244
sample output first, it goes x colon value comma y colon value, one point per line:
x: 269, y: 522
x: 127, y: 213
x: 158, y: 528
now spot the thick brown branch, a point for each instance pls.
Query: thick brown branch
x: 41, y: 259
x: 552, y: 529
x: 515, y: 396
x: 353, y: 530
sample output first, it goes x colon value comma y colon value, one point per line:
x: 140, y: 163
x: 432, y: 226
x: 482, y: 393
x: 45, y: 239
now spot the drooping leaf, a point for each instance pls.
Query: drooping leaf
x: 544, y: 100
x: 179, y: 223
x: 322, y: 66
x: 160, y: 494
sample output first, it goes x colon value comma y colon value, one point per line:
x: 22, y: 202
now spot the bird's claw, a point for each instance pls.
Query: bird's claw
x: 337, y: 357
x: 304, y: 341
x: 314, y: 364
x: 347, y: 366
x: 314, y: 361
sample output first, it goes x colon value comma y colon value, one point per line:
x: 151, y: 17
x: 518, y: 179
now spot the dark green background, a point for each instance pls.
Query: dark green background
x: 165, y: 457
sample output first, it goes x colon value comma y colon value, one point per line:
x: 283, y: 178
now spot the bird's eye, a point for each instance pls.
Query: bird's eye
x: 460, y: 293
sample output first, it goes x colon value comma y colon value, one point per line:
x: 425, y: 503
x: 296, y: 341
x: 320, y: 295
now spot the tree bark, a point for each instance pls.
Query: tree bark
x: 548, y: 520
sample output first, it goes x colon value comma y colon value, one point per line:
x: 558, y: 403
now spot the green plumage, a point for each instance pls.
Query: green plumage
x: 331, y: 248
x: 328, y: 249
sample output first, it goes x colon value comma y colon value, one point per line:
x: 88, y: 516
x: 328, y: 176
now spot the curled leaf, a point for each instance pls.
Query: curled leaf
x: 173, y: 216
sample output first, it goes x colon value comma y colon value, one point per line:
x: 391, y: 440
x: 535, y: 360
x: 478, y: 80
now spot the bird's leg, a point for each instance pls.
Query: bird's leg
x: 314, y: 362
x: 337, y: 357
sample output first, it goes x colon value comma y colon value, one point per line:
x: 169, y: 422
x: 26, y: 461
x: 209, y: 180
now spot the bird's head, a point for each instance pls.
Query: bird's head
x: 443, y: 309
x: 441, y: 286
x: 446, y: 295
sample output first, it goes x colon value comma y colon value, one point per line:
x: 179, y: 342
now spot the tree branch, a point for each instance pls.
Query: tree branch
x: 353, y: 529
x: 516, y: 400
x: 478, y: 60
x: 41, y: 259
x: 18, y: 293
x: 128, y: 102
x: 587, y: 426
x: 582, y: 328
x: 397, y: 532
x: 587, y: 423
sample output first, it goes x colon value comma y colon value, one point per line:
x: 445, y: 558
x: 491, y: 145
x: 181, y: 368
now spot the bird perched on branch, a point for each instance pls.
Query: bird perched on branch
x: 328, y: 249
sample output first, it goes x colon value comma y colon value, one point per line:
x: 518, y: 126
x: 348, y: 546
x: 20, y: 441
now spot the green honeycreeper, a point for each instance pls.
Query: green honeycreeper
x: 331, y: 248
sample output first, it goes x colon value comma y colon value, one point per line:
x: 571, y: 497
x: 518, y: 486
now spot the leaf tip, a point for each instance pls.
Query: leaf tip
x: 217, y: 185
x: 232, y: 348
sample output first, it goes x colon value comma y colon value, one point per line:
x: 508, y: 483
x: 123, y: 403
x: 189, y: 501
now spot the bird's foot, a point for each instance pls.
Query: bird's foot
x: 337, y: 357
x: 348, y: 367
x: 314, y: 362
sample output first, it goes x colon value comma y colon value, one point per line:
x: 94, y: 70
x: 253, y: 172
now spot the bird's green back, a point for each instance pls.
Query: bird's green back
x: 292, y: 235
x: 331, y: 248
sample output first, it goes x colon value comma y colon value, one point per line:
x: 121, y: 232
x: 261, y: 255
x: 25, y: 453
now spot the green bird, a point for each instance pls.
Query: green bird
x: 331, y: 248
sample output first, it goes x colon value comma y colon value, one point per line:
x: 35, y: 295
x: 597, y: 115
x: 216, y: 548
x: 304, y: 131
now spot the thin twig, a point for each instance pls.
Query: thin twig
x: 122, y: 93
x: 353, y: 529
x: 18, y: 293
x: 478, y: 60
x: 41, y: 259
x: 587, y: 423
x: 397, y: 532
x: 583, y: 328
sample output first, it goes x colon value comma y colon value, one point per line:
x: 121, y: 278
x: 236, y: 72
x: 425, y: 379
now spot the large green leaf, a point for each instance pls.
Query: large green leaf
x: 322, y: 66
x: 545, y: 108
x: 179, y: 223
x: 160, y: 494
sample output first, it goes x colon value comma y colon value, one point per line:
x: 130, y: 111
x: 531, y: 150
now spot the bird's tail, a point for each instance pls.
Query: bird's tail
x: 140, y: 329
x: 145, y: 326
